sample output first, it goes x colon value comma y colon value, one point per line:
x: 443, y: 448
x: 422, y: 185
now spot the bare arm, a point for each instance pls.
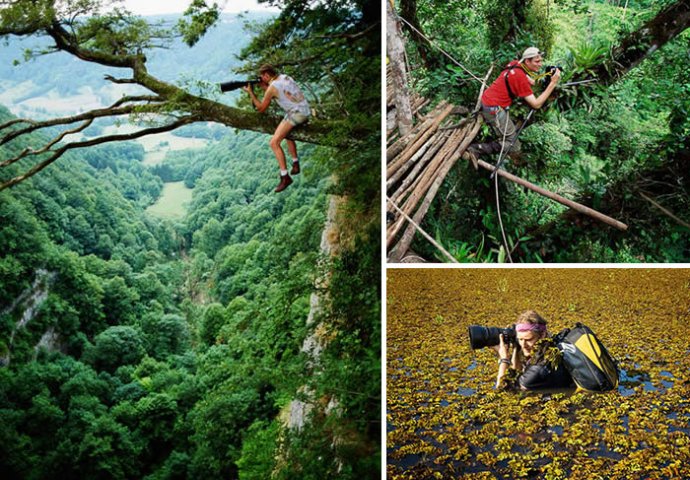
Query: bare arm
x: 516, y: 363
x: 537, y: 102
x: 262, y: 105
x: 503, y: 353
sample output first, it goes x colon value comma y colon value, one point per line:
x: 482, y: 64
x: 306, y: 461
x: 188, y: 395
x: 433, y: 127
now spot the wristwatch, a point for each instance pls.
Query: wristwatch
x: 503, y: 360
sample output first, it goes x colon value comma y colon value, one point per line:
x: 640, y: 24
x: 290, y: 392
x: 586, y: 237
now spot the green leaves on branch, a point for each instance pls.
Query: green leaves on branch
x: 197, y: 19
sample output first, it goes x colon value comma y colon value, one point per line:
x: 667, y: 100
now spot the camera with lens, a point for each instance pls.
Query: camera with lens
x: 235, y: 84
x: 548, y: 73
x: 481, y: 337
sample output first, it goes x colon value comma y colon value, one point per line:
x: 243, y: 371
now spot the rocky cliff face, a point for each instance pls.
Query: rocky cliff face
x: 26, y: 306
x: 299, y: 410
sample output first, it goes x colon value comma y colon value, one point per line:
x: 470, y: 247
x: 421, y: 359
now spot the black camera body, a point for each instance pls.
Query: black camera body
x: 235, y: 84
x: 481, y: 337
x: 548, y: 73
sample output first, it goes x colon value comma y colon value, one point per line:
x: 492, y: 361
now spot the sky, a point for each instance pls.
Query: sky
x: 154, y: 7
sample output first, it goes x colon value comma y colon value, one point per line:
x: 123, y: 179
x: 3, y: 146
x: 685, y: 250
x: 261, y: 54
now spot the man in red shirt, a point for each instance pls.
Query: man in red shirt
x: 513, y: 82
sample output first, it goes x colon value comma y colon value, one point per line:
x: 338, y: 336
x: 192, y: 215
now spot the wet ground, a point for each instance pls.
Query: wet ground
x: 445, y: 420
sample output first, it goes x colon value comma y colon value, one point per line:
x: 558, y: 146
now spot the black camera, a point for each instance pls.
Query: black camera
x: 235, y: 84
x: 548, y: 73
x: 481, y: 337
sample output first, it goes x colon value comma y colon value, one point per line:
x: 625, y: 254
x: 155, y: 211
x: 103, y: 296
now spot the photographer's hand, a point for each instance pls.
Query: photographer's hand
x: 504, y: 354
x: 556, y: 76
x: 515, y: 361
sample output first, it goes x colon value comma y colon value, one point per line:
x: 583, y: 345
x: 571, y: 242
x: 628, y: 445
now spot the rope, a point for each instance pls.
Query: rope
x: 498, y: 203
x: 440, y: 49
x: 419, y: 229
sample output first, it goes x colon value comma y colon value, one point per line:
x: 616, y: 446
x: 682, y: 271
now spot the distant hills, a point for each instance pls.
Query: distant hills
x: 59, y: 83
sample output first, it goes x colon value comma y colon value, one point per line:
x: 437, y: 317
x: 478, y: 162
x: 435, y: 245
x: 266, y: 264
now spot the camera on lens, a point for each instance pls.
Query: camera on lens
x: 481, y: 337
x: 548, y: 73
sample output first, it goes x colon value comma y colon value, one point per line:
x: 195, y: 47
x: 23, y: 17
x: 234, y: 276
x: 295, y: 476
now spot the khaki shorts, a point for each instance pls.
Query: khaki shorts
x: 295, y: 118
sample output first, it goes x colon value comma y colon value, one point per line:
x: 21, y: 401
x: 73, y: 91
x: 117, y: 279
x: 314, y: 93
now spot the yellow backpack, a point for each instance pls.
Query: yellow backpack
x: 585, y: 357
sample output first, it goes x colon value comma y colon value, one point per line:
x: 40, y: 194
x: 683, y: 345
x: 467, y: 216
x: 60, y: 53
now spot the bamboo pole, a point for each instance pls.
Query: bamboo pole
x: 428, y: 150
x: 425, y: 181
x: 406, y: 239
x: 450, y: 257
x: 423, y: 104
x: 409, y: 151
x: 403, y: 142
x: 554, y: 196
x: 665, y: 211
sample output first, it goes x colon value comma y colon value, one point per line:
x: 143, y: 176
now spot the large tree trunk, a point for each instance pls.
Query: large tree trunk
x: 396, y: 55
x: 664, y: 27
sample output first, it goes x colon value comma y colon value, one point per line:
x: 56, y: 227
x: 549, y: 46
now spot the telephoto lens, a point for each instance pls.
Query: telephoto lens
x: 481, y: 337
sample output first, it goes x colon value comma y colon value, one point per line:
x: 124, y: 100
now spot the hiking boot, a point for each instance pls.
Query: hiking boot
x: 285, y: 181
x: 295, y: 168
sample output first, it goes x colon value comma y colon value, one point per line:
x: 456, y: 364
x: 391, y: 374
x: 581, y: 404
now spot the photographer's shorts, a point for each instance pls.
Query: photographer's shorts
x: 295, y: 118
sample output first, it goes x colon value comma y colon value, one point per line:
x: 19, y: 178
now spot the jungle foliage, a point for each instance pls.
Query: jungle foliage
x: 620, y: 146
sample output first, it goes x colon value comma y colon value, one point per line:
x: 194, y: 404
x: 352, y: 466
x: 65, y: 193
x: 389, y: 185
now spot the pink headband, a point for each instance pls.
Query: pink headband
x: 530, y: 327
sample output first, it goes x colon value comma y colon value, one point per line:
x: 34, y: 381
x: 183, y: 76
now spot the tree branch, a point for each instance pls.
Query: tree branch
x: 67, y: 42
x: 90, y: 41
x: 27, y: 151
x: 351, y: 36
x: 111, y: 111
x: 97, y: 141
x: 665, y: 211
x: 664, y: 27
x: 110, y: 78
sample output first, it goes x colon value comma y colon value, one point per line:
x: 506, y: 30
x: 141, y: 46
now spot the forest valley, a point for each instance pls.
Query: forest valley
x: 602, y: 173
x: 241, y: 340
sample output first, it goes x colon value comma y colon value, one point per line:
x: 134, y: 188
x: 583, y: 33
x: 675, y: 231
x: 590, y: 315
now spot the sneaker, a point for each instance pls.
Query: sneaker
x: 295, y: 168
x: 285, y: 181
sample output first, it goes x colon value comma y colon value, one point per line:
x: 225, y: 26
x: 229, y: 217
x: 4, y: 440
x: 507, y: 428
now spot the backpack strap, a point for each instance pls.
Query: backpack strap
x: 505, y: 77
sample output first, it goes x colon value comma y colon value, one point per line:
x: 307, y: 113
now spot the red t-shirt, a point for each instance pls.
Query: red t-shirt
x: 497, y: 94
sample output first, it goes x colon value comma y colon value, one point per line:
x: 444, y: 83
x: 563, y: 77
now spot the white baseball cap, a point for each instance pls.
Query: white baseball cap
x: 531, y: 52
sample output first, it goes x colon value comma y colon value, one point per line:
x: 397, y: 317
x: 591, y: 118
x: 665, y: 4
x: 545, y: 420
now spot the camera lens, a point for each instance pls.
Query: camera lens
x: 481, y: 337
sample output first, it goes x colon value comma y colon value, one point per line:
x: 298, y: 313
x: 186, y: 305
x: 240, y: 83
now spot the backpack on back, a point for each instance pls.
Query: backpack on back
x: 585, y: 357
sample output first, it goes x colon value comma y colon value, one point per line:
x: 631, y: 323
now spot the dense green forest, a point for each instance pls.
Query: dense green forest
x: 225, y: 344
x: 618, y: 144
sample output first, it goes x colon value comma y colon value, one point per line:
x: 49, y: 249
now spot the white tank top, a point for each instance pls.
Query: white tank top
x: 290, y: 97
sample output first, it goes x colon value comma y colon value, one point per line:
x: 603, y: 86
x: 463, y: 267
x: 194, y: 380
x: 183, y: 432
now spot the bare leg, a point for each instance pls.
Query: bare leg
x: 280, y: 134
x: 292, y: 148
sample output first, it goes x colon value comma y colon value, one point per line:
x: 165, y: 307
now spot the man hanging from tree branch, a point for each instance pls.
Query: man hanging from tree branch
x: 291, y: 99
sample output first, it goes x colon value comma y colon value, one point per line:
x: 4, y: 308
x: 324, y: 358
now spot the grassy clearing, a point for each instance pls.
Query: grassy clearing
x: 445, y: 420
x: 156, y: 146
x: 172, y: 202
